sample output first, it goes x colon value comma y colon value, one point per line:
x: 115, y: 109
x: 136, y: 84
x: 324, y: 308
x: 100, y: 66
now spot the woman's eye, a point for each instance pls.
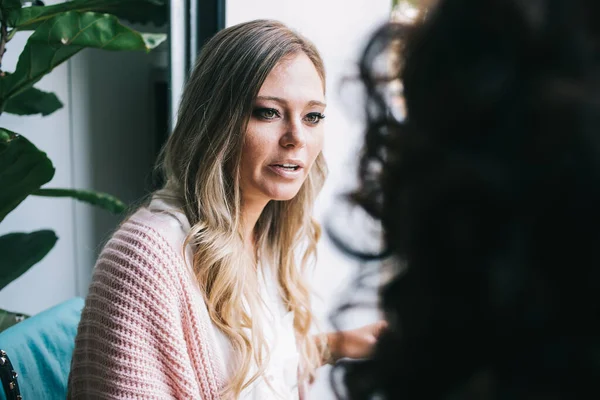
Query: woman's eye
x: 314, y: 118
x: 266, y: 113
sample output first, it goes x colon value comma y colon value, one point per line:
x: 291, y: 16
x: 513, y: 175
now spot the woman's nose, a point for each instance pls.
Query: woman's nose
x: 294, y: 135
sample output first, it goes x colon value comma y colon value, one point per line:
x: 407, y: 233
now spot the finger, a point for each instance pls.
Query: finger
x: 380, y: 327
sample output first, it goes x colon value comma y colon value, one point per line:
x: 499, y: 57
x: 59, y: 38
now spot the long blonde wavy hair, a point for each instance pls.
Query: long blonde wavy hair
x: 201, y: 165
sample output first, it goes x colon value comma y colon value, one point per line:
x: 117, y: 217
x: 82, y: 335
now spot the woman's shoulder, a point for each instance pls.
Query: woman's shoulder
x: 151, y: 241
x: 164, y: 220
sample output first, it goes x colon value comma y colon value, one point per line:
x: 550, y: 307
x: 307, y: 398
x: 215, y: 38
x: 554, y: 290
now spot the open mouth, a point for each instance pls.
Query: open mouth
x: 288, y: 167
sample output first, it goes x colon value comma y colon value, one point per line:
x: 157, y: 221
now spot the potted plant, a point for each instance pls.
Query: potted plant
x: 58, y: 32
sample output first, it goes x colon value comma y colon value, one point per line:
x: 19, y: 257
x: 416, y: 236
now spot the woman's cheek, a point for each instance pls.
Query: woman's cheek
x: 318, y: 146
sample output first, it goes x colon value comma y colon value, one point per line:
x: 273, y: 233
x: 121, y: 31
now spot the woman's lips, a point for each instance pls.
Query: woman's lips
x: 286, y: 172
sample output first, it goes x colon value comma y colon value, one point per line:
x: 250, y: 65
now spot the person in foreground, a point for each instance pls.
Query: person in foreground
x: 200, y: 293
x: 488, y: 192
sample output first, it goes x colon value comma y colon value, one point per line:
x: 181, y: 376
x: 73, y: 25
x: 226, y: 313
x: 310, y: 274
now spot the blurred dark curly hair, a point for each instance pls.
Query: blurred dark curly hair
x: 488, y: 192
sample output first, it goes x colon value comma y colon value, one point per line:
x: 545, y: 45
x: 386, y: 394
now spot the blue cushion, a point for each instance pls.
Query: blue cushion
x: 40, y: 349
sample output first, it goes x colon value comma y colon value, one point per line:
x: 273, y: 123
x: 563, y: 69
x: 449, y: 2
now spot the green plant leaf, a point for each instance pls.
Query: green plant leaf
x: 136, y: 11
x: 414, y: 3
x: 33, y: 101
x: 23, y: 169
x: 59, y: 38
x: 102, y: 200
x: 20, y: 251
x: 8, y: 319
x: 9, y: 5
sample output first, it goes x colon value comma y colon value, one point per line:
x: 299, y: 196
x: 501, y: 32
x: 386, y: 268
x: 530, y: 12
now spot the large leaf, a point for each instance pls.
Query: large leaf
x: 8, y: 319
x: 9, y: 5
x: 21, y: 251
x: 102, y: 200
x: 59, y: 38
x: 33, y: 101
x: 23, y: 169
x: 414, y: 3
x: 137, y: 11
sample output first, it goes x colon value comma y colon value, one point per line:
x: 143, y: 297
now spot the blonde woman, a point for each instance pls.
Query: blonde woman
x: 200, y: 294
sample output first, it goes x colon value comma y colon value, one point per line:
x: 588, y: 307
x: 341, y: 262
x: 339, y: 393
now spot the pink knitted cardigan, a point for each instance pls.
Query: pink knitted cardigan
x: 142, y: 333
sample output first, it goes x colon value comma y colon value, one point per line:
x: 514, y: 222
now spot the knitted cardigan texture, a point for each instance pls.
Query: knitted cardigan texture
x: 142, y: 333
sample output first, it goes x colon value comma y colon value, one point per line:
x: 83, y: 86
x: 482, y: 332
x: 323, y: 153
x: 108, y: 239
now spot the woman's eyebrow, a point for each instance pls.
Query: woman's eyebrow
x: 317, y: 103
x: 284, y: 101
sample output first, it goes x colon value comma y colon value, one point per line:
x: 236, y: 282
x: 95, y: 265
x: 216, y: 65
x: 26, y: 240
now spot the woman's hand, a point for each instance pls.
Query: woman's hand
x: 355, y: 343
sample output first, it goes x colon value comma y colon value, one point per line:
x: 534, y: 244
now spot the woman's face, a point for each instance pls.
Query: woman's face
x: 285, y: 132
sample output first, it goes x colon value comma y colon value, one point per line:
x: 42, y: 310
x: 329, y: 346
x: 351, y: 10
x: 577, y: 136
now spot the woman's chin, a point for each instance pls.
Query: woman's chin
x: 284, y: 195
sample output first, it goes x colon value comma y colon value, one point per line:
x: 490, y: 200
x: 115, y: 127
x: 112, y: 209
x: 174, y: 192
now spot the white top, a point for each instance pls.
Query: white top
x: 281, y: 375
x: 280, y: 381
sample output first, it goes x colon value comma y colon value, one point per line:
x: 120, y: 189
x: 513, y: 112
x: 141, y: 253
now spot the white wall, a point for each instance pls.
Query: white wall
x: 339, y: 29
x: 101, y: 139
